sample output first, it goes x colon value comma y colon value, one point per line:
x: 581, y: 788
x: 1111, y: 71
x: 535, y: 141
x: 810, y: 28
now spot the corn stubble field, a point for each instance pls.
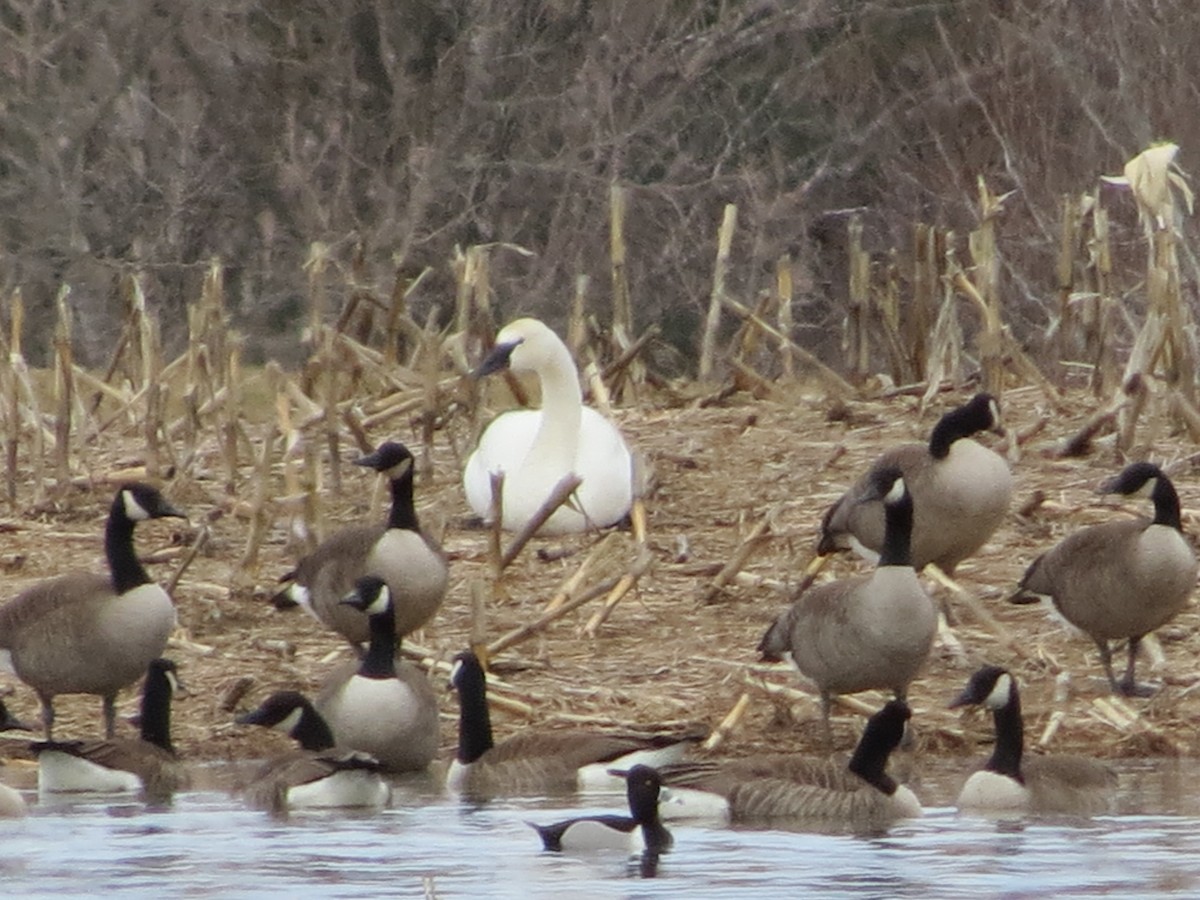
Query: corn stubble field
x: 738, y: 474
x: 673, y: 649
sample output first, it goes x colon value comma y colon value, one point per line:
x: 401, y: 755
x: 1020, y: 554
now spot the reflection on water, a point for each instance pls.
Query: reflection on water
x: 206, y: 843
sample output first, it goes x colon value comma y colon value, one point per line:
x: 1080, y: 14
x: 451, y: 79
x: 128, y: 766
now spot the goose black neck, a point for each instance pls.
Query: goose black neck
x: 474, y: 719
x: 156, y: 711
x: 655, y: 835
x: 897, y: 532
x: 123, y: 564
x: 403, y: 514
x: 870, y: 758
x: 958, y: 423
x: 1166, y: 504
x: 1010, y: 739
x: 312, y: 732
x: 380, y: 661
x: 643, y: 808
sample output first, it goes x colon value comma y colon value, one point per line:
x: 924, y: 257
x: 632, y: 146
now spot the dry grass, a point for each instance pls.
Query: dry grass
x: 663, y: 655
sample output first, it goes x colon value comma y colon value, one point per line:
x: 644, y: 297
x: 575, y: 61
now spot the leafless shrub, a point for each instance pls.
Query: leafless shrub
x: 158, y: 135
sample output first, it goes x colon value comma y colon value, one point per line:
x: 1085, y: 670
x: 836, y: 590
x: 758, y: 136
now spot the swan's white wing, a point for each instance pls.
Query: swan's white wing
x: 502, y: 446
x: 604, y: 463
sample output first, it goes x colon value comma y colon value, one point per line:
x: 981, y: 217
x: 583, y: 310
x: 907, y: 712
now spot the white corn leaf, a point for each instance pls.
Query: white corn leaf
x: 1151, y: 175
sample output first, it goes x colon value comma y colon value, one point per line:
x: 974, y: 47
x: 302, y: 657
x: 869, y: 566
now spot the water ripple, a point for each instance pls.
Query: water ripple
x: 206, y: 844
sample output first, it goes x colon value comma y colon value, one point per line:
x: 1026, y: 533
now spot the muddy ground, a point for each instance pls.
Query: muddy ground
x: 667, y: 653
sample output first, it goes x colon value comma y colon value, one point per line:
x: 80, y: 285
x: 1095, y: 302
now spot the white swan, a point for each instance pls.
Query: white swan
x: 536, y: 448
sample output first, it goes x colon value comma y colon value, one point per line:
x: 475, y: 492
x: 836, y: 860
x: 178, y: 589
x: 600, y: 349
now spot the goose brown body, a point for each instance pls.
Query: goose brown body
x: 549, y: 761
x: 396, y: 721
x: 867, y: 632
x: 332, y: 778
x: 857, y: 794
x: 961, y: 493
x: 1119, y: 580
x: 382, y: 705
x: 156, y: 772
x: 68, y: 636
x: 398, y: 551
x: 537, y: 761
x: 88, y: 633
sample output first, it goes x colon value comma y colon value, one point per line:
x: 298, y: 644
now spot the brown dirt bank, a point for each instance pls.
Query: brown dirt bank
x: 663, y: 655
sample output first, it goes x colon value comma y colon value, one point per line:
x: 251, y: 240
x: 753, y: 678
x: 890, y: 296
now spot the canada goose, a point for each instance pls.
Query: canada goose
x: 397, y: 550
x: 12, y: 804
x: 858, y: 795
x: 870, y: 631
x: 1042, y: 784
x: 961, y: 491
x: 382, y: 706
x: 534, y: 762
x: 86, y: 633
x: 318, y: 775
x: 147, y: 764
x: 536, y: 448
x: 1120, y: 579
x: 637, y: 832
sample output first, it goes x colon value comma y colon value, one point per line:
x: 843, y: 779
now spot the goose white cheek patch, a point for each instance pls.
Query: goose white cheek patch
x: 380, y: 603
x: 134, y: 510
x: 288, y: 722
x: 999, y: 696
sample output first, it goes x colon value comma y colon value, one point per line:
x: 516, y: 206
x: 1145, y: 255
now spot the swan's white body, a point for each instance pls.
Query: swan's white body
x: 535, y: 449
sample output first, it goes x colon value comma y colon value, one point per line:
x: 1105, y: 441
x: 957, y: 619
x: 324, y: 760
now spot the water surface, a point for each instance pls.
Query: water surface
x: 207, y: 844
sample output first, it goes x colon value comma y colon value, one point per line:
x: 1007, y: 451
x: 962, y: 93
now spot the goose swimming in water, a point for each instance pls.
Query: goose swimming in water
x: 857, y: 795
x: 538, y: 762
x: 318, y: 775
x: 147, y: 764
x: 12, y: 804
x: 536, y: 448
x: 1010, y: 782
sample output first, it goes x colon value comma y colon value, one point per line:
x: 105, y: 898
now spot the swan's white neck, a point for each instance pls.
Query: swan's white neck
x: 557, y: 441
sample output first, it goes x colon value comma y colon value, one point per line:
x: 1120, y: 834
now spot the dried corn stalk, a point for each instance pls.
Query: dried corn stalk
x: 855, y: 343
x: 708, y: 341
x: 1158, y: 185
